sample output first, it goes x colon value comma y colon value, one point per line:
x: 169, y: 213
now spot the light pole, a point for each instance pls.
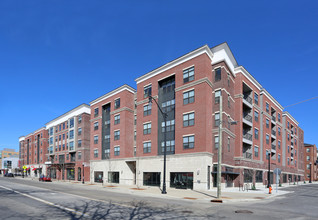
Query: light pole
x: 269, y: 170
x: 310, y: 172
x: 83, y: 174
x: 164, y: 115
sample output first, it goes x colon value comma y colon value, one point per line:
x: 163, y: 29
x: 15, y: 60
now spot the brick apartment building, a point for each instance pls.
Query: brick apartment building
x: 189, y: 91
x: 310, y: 160
x: 201, y: 92
x: 33, y: 148
x: 68, y: 145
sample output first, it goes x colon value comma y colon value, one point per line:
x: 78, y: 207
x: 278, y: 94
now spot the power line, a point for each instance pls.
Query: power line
x: 301, y: 102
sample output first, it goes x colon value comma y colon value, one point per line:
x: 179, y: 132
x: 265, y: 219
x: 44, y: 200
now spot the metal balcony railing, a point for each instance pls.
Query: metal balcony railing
x: 273, y: 132
x: 273, y: 118
x: 248, y: 136
x: 248, y: 99
x: 247, y: 155
x: 248, y: 118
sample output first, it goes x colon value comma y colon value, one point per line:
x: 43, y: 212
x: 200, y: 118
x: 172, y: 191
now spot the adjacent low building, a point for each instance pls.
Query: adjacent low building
x: 311, y: 160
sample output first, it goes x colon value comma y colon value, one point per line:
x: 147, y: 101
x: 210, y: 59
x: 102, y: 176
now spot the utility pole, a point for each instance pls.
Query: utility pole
x: 220, y: 151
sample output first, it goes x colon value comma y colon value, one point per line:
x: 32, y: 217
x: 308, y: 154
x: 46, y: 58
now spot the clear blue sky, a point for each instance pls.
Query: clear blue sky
x: 55, y: 55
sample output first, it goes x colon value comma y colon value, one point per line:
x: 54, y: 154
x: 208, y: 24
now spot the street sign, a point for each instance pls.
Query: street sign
x: 277, y: 171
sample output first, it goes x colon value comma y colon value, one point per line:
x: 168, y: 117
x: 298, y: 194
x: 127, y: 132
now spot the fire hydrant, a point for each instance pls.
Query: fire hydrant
x: 270, y: 190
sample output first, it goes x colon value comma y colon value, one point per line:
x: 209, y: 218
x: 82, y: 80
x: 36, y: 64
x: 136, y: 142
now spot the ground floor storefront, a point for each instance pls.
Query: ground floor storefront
x: 69, y: 171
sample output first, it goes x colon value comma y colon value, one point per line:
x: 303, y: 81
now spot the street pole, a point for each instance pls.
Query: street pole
x: 220, y: 152
x: 310, y: 173
x: 83, y: 174
x: 269, y: 170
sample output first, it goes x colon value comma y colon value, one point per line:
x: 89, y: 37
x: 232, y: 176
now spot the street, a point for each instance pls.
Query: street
x: 25, y: 199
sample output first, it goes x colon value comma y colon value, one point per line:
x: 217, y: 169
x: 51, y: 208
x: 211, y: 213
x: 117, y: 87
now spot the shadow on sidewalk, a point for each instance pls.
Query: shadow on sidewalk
x: 206, y: 194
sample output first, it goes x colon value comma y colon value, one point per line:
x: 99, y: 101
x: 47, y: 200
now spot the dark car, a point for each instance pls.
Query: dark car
x: 45, y: 179
x: 9, y: 175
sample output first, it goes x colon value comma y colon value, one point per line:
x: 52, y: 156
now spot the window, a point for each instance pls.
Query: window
x: 278, y: 117
x: 288, y: 136
x: 117, y: 135
x: 255, y: 98
x: 71, y: 134
x: 288, y: 149
x: 288, y: 124
x: 107, y: 153
x: 71, y: 145
x: 79, y: 143
x: 168, y: 105
x: 117, y: 151
x: 256, y: 133
x: 188, y: 142
x: 217, y: 119
x: 308, y: 166
x: 96, y: 139
x: 216, y: 142
x: 63, y: 146
x: 278, y: 144
x: 267, y: 107
x: 228, y: 144
x: 217, y: 76
x: 147, y: 147
x: 259, y: 176
x: 267, y: 155
x: 278, y: 158
x: 188, y: 75
x: 135, y: 119
x: 228, y: 101
x: 79, y: 132
x: 188, y: 119
x: 147, y: 128
x: 107, y: 138
x: 51, y: 131
x: 279, y: 131
x: 71, y: 122
x: 188, y: 97
x: 267, y: 123
x: 217, y: 96
x: 60, y: 126
x: 267, y: 139
x: 95, y: 126
x: 295, y: 142
x: 96, y: 112
x: 79, y: 120
x: 308, y: 150
x: 256, y: 116
x: 79, y: 155
x: 256, y: 151
x: 59, y: 137
x: 95, y: 153
x: 147, y: 91
x: 169, y: 127
x: 288, y: 160
x: 117, y: 119
x: 169, y: 146
x: 308, y: 158
x: 117, y: 103
x: 147, y: 110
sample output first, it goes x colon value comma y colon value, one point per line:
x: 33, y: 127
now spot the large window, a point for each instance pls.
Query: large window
x: 248, y: 176
x: 98, y: 177
x: 267, y: 123
x: 71, y: 145
x: 107, y: 138
x: 278, y: 144
x: 256, y: 151
x: 170, y: 125
x: 168, y: 105
x: 147, y: 91
x: 79, y: 143
x: 117, y: 103
x: 95, y: 126
x: 147, y: 110
x: 96, y: 139
x: 117, y: 119
x: 113, y: 177
x: 278, y: 117
x: 147, y: 147
x: 117, y: 135
x: 79, y: 121
x: 79, y: 132
x: 147, y: 128
x: 188, y: 119
x: 279, y: 131
x: 255, y: 98
x: 217, y: 119
x: 95, y: 153
x: 216, y: 142
x: 217, y: 76
x: 181, y: 180
x: 188, y: 75
x: 256, y: 116
x: 70, y: 173
x: 188, y: 142
x: 267, y: 107
x: 151, y: 179
x: 259, y: 176
x: 217, y: 96
x: 117, y: 150
x: 170, y: 146
x: 96, y: 111
x: 256, y: 134
x: 71, y: 134
x: 79, y: 155
x: 278, y: 158
x: 188, y: 97
x: 267, y: 139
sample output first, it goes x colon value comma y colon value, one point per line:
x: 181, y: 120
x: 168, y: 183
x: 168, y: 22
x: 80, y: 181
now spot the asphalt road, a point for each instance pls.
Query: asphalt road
x: 25, y: 199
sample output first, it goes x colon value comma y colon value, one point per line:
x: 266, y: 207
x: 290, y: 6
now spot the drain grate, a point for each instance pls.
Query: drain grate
x: 244, y: 211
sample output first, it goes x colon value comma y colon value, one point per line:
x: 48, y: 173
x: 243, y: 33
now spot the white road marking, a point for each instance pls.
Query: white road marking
x: 46, y: 202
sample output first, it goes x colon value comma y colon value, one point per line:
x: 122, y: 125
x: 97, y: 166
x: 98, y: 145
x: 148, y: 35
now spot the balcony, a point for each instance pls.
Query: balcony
x: 248, y: 136
x: 273, y: 147
x: 274, y: 133
x: 247, y: 155
x: 273, y: 118
x: 292, y: 154
x: 248, y: 118
x: 247, y: 100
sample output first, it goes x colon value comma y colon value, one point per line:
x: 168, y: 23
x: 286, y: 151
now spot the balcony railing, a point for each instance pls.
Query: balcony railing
x: 248, y: 136
x: 248, y: 118
x: 291, y: 154
x: 273, y: 146
x: 273, y: 118
x: 248, y: 99
x: 247, y: 155
x: 273, y: 132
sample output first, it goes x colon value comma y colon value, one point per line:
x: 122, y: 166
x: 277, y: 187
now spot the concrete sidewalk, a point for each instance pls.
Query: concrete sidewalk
x: 228, y: 194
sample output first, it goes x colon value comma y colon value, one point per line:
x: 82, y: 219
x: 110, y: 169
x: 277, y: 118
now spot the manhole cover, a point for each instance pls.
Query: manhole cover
x: 243, y: 211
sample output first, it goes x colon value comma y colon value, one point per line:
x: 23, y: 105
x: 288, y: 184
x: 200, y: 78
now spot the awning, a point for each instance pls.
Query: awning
x: 226, y: 172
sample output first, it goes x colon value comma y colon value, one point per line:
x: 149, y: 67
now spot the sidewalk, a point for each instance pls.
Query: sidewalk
x: 228, y: 194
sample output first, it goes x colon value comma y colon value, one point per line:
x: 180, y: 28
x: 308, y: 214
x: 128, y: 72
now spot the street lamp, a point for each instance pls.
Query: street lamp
x: 310, y: 172
x: 219, y: 167
x: 269, y: 169
x: 83, y: 174
x: 164, y: 115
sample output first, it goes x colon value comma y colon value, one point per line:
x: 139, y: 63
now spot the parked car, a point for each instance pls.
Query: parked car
x: 45, y: 179
x: 9, y: 175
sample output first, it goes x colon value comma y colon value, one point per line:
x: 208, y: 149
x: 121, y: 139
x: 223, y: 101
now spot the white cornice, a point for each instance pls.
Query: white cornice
x: 22, y: 138
x: 176, y: 62
x: 290, y: 117
x: 84, y: 108
x: 114, y: 92
x: 241, y: 69
x: 223, y: 52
